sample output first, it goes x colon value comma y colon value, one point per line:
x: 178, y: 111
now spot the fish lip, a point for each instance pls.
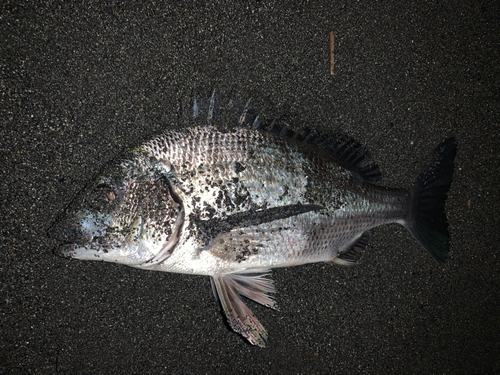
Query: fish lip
x: 69, y: 235
x: 68, y: 240
x: 78, y: 235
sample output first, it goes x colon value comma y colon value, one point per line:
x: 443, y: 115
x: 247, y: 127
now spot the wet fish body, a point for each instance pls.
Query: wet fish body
x: 234, y: 204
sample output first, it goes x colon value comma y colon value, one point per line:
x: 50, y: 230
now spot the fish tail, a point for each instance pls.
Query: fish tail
x: 427, y: 221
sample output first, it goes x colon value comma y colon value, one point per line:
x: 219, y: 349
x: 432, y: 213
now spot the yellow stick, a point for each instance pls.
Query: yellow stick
x: 332, y: 55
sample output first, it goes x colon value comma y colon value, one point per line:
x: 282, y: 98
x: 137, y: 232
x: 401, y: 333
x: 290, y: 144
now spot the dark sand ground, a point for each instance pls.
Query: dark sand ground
x: 81, y: 83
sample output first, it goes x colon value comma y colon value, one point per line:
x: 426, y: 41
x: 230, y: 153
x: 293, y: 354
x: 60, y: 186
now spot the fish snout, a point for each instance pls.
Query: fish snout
x: 64, y: 250
x: 68, y: 239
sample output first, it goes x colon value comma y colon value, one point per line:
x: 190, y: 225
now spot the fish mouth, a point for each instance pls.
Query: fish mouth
x: 78, y: 229
x: 65, y: 250
x: 66, y: 234
x: 74, y: 251
x: 74, y: 244
x: 69, y: 240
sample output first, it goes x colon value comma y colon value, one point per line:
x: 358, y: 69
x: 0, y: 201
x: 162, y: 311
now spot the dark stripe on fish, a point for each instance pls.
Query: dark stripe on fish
x: 249, y: 218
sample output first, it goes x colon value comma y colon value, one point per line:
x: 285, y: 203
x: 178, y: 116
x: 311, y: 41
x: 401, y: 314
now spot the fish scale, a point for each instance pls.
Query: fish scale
x: 233, y: 204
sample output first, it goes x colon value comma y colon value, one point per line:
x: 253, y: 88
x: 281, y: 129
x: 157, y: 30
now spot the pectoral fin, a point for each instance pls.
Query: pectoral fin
x: 252, y: 284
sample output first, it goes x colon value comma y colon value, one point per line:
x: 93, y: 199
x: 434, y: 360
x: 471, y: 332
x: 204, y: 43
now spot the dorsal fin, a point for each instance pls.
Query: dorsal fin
x: 346, y: 151
x: 352, y: 155
x: 219, y: 110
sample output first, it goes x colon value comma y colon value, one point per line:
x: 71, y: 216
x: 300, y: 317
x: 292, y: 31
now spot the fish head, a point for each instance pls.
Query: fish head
x: 126, y: 215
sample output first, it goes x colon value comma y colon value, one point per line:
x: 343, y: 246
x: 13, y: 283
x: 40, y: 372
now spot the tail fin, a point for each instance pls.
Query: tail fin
x: 427, y: 222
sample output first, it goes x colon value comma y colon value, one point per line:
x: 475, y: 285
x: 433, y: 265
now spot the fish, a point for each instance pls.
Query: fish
x: 232, y: 196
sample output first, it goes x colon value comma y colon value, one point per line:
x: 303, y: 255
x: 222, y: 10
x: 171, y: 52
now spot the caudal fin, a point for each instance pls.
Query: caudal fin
x: 428, y: 222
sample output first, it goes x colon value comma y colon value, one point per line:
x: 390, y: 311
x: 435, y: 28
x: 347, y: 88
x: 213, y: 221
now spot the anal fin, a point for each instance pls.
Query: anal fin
x: 252, y: 284
x: 352, y: 253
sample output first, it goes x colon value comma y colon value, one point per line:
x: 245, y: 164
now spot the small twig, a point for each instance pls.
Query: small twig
x: 332, y: 55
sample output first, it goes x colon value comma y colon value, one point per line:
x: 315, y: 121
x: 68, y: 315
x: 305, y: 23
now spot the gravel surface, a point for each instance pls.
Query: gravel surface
x: 81, y: 83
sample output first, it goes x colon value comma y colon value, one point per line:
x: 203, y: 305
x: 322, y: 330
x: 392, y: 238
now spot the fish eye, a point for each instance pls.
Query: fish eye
x: 106, y: 194
x: 103, y: 185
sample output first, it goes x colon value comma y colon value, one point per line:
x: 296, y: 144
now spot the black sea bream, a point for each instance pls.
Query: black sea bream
x: 232, y: 199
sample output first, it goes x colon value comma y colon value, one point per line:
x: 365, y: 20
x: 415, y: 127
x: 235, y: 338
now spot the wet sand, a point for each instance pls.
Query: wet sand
x: 82, y: 83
